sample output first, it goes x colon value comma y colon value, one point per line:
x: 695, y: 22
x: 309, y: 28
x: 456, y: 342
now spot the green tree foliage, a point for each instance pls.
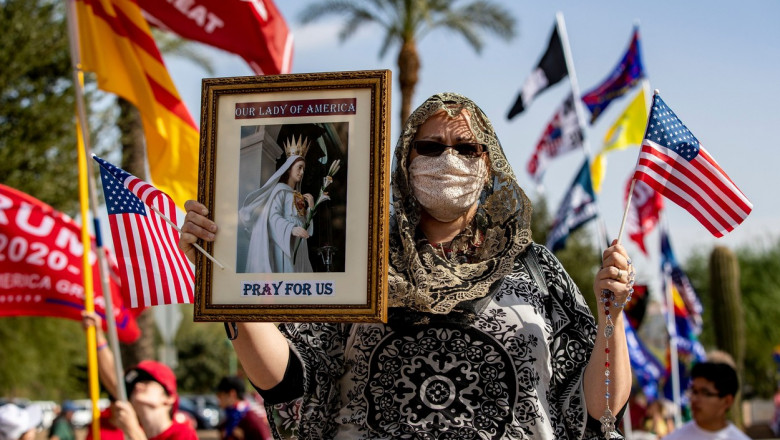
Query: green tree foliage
x: 580, y: 258
x: 760, y: 285
x: 37, y: 103
x: 406, y: 22
x: 37, y: 156
x: 45, y: 358
x: 204, y: 355
x: 42, y: 358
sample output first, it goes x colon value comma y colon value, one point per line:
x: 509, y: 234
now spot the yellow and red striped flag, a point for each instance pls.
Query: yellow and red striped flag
x: 116, y: 44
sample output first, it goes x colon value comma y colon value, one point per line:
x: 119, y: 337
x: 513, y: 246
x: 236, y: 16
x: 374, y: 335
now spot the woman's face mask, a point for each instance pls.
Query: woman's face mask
x: 447, y: 185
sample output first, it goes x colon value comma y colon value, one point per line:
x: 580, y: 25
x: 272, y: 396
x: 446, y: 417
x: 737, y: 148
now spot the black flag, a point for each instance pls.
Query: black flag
x: 550, y: 70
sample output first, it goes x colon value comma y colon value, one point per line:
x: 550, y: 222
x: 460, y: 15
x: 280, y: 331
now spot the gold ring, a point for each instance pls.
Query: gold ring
x: 620, y: 275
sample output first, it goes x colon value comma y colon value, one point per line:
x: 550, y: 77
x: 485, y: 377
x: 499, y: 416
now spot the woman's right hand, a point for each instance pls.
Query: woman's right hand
x: 300, y: 232
x: 196, y: 226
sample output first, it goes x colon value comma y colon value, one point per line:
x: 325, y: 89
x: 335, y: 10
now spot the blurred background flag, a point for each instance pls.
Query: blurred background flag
x: 550, y: 70
x: 563, y: 134
x: 628, y: 130
x: 673, y: 162
x: 625, y: 75
x: 577, y: 208
x: 151, y: 264
x: 646, y: 368
x: 680, y: 280
x: 644, y: 212
x: 254, y: 30
x: 116, y: 44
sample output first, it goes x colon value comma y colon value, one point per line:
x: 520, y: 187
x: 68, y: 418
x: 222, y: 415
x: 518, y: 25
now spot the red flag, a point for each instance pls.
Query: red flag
x: 41, y: 262
x: 673, y: 162
x: 253, y: 29
x: 152, y: 266
x: 645, y: 211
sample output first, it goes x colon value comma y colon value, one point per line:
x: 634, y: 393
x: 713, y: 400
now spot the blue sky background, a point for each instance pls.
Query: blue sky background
x: 716, y: 64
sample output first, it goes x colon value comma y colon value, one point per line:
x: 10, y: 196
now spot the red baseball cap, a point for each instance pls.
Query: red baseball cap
x: 156, y: 371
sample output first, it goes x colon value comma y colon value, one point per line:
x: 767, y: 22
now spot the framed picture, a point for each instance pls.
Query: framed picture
x: 295, y: 171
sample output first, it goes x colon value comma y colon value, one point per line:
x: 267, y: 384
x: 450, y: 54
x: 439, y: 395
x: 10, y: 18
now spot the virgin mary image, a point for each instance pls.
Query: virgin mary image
x: 275, y: 214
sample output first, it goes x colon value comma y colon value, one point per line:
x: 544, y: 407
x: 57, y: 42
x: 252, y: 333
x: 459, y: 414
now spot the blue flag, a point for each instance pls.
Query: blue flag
x: 578, y: 207
x: 625, y: 75
x: 647, y: 369
x: 681, y: 283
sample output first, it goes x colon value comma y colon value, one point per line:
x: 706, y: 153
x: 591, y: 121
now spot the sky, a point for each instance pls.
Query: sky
x: 716, y: 64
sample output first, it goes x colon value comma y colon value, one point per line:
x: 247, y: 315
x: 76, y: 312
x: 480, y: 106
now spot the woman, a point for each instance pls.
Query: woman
x: 488, y: 336
x: 275, y: 215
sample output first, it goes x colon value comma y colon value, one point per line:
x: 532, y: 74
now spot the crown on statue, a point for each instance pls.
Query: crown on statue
x: 296, y: 147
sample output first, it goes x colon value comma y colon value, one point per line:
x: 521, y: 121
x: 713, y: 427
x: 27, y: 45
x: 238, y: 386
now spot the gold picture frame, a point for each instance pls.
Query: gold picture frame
x: 255, y: 133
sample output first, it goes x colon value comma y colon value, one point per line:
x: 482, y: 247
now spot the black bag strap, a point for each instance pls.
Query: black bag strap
x: 531, y: 262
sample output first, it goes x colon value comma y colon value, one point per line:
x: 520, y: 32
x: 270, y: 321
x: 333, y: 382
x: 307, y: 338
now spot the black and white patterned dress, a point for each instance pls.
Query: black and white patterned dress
x: 515, y: 373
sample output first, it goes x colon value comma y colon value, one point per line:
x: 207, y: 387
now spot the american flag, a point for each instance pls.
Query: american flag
x: 151, y: 264
x: 673, y: 162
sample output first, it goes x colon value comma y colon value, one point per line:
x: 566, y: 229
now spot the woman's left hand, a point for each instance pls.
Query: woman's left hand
x: 616, y: 275
x: 309, y: 200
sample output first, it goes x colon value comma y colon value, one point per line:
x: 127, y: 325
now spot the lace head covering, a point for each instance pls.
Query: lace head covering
x: 423, y: 283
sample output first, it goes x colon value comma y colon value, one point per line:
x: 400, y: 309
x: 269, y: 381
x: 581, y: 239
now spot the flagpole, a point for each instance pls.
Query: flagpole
x: 576, y: 98
x: 633, y: 181
x: 196, y: 245
x: 85, y: 168
x: 672, y: 330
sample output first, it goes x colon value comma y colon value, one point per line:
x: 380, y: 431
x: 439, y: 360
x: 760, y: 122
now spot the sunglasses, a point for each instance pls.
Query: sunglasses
x: 433, y: 148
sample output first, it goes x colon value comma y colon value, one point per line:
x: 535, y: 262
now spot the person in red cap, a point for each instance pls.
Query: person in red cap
x: 152, y: 397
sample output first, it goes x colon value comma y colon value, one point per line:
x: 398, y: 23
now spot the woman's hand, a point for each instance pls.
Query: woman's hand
x: 616, y: 275
x: 196, y: 226
x: 300, y: 232
x: 309, y: 200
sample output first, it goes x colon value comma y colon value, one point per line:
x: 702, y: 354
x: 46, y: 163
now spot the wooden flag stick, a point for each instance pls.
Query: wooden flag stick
x: 202, y: 251
x: 625, y: 213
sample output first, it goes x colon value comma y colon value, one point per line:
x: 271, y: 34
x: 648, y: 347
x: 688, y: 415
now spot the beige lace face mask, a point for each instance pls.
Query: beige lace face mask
x: 421, y: 281
x: 447, y: 185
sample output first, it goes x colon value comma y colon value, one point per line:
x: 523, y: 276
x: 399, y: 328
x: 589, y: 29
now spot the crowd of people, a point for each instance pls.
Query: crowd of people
x: 488, y: 337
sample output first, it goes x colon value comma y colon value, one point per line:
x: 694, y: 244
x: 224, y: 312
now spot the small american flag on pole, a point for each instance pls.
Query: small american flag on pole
x: 673, y: 162
x: 152, y: 266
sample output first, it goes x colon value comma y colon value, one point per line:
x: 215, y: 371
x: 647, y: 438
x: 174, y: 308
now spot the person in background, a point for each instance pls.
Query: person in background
x: 151, y: 390
x: 242, y: 422
x: 657, y: 418
x: 17, y: 423
x: 62, y: 427
x: 714, y: 385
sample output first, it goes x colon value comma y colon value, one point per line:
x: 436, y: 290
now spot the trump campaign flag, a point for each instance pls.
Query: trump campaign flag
x: 151, y: 264
x: 41, y: 265
x: 563, y: 134
x: 647, y: 369
x: 254, y: 29
x: 625, y: 75
x: 577, y: 208
x: 674, y: 163
x: 550, y: 70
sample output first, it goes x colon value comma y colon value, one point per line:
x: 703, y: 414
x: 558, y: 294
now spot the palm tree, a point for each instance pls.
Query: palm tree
x: 407, y: 21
